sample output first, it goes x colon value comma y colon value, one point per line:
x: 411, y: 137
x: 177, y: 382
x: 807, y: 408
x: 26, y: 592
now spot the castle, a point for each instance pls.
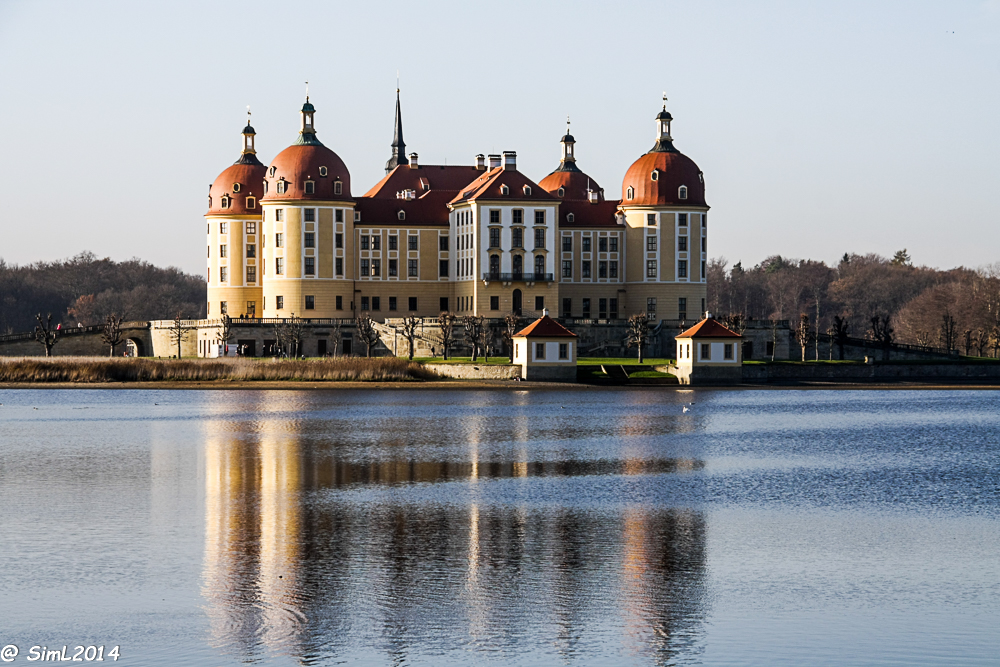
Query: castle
x: 292, y: 238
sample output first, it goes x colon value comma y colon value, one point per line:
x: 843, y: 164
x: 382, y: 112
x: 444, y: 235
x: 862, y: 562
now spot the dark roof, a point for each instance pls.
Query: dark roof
x: 674, y: 169
x: 380, y: 205
x: 574, y: 182
x: 708, y: 328
x: 398, y: 146
x: 585, y: 214
x: 545, y: 327
x: 487, y: 186
x: 248, y: 129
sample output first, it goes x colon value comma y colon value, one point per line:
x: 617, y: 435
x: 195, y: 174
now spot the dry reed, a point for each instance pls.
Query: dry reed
x: 91, y: 369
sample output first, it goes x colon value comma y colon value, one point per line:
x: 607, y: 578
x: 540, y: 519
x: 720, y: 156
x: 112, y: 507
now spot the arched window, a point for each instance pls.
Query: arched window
x: 570, y: 217
x: 281, y: 187
x: 630, y: 193
x: 236, y: 187
x: 338, y: 187
x: 495, y: 266
x: 322, y: 171
x: 539, y: 267
x: 504, y: 190
x: 682, y: 192
x: 310, y: 187
x: 655, y: 176
x: 225, y: 201
x: 273, y: 169
x: 401, y: 215
x: 562, y: 192
x: 210, y: 201
x: 527, y: 190
x: 251, y: 202
x: 265, y: 186
x: 517, y: 263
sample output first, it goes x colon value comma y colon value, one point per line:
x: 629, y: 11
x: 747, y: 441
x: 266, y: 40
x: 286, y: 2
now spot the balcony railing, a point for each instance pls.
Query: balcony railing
x: 518, y: 277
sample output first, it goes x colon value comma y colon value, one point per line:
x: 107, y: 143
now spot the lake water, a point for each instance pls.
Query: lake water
x: 398, y: 527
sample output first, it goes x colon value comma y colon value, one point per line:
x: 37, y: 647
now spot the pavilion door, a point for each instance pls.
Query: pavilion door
x: 517, y: 302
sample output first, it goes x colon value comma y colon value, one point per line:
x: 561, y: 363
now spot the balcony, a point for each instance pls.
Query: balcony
x: 518, y: 277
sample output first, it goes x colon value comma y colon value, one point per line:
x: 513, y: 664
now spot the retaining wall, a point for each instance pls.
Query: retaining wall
x: 476, y: 371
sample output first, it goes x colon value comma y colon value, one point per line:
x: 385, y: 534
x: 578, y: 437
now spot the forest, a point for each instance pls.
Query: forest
x: 84, y: 289
x: 870, y: 295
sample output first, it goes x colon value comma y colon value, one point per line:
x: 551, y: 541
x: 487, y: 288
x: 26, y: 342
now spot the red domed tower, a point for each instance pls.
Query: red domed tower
x: 663, y: 199
x: 233, y: 217
x: 307, y: 241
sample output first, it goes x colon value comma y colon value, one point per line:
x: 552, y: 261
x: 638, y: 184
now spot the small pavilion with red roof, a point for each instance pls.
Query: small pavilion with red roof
x: 709, y: 353
x: 546, y: 350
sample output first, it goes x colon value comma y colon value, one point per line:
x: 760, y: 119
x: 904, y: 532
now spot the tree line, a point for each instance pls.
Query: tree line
x: 888, y: 300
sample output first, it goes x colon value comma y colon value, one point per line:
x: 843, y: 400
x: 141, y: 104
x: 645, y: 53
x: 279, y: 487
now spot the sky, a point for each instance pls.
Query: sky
x: 822, y: 128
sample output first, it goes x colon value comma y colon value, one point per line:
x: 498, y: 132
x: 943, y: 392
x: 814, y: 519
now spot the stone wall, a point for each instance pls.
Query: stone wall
x: 874, y: 372
x: 478, y: 371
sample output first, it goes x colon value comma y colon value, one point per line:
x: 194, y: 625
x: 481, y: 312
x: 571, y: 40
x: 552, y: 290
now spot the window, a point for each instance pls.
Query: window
x: 539, y: 303
x: 585, y: 266
x: 651, y: 268
x: 279, y: 302
x: 682, y: 219
x: 494, y: 237
x: 393, y: 270
x: 338, y: 187
x: 516, y: 237
x: 527, y: 190
x: 223, y: 274
x: 251, y: 308
x: 613, y: 308
x: 539, y: 217
x: 251, y: 274
x: 251, y: 228
x: 365, y: 267
x: 323, y: 171
x: 702, y: 269
x: 443, y: 243
x: 567, y: 244
x: 310, y: 302
x: 602, y: 269
x: 376, y: 267
x: 682, y: 243
x: 504, y: 190
x: 613, y: 244
x: 364, y: 304
x: 251, y: 202
x: 602, y: 244
x: 769, y: 348
x: 654, y: 176
x: 517, y: 216
x: 495, y: 267
x: 682, y: 268
x: 586, y: 244
x: 562, y: 192
x: 494, y: 217
x: 570, y: 217
x: 340, y: 303
x: 704, y: 220
x: 376, y: 303
x: 376, y: 241
x: 223, y: 307
x: 339, y: 263
x: 651, y: 219
x: 682, y: 192
x: 310, y: 266
x: 517, y: 265
x: 310, y: 239
x: 539, y: 238
x: 567, y: 307
x: 651, y: 243
x: 443, y: 304
x: 411, y: 242
x: 539, y: 267
x: 401, y: 214
x: 630, y: 193
x: 704, y: 244
x: 338, y: 240
x: 338, y: 215
x: 602, y: 309
x: 394, y: 242
x: 357, y: 216
x: 706, y: 351
x: 682, y: 306
x: 564, y: 350
x: 281, y: 186
x: 273, y: 169
x: 225, y: 201
x: 279, y: 240
x: 586, y: 308
x: 310, y: 187
x: 613, y: 269
x: 279, y: 215
x: 727, y: 351
x: 223, y: 227
x: 567, y: 268
x: 392, y: 303
x: 222, y: 251
x: 539, y: 350
x: 411, y: 268
x: 651, y: 307
x: 251, y: 250
x: 442, y: 268
x: 365, y: 242
x: 279, y: 266
x: 310, y: 214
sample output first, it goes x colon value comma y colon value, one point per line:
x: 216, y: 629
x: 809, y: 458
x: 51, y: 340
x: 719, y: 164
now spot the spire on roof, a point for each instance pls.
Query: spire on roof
x: 664, y: 142
x: 568, y: 160
x: 249, y: 154
x: 307, y: 133
x: 398, y: 146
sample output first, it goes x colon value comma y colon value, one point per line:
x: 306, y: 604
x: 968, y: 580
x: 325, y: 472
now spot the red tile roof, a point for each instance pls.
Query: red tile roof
x: 585, y: 214
x: 488, y: 186
x: 574, y: 184
x: 708, y: 328
x: 251, y: 184
x: 380, y: 205
x: 300, y: 163
x: 673, y: 170
x: 545, y: 327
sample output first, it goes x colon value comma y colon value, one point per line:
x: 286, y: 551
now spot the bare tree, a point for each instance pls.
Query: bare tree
x: 410, y: 325
x: 335, y: 335
x: 982, y: 341
x: 882, y: 333
x: 367, y: 332
x: 949, y: 331
x: 178, y: 332
x: 224, y: 330
x: 840, y: 330
x: 281, y: 336
x: 511, y: 323
x: 112, y: 334
x: 638, y: 332
x: 296, y: 332
x: 447, y: 321
x: 803, y: 334
x: 774, y: 338
x: 45, y: 334
x: 473, y: 326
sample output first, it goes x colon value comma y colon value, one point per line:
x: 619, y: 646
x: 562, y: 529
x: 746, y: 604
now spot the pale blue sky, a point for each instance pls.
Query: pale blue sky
x: 822, y: 128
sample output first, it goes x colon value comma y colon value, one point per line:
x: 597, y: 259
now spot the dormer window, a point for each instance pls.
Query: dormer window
x: 630, y: 193
x: 236, y: 187
x: 225, y: 201
x: 310, y: 187
x: 701, y: 177
x: 251, y: 202
x: 210, y: 201
x: 655, y: 176
x: 401, y: 215
x: 570, y: 217
x: 357, y: 216
x: 273, y: 169
x: 562, y: 192
x: 527, y: 190
x: 504, y: 190
x: 338, y: 187
x: 682, y: 192
x: 323, y: 172
x: 282, y: 186
x: 265, y: 186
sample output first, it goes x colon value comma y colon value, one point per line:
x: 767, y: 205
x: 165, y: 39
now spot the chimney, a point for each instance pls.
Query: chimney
x: 509, y: 160
x: 480, y: 162
x: 494, y: 161
x: 545, y: 312
x: 413, y: 161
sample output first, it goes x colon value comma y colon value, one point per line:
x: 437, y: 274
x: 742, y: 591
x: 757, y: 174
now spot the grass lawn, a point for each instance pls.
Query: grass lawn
x: 650, y: 374
x: 498, y: 361
x: 621, y: 361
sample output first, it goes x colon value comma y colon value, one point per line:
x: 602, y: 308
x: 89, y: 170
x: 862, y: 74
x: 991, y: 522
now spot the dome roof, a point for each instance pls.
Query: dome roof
x: 575, y: 183
x: 303, y: 162
x: 239, y: 181
x: 673, y: 170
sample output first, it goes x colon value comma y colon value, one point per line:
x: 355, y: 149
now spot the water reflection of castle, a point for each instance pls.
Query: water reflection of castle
x: 294, y: 565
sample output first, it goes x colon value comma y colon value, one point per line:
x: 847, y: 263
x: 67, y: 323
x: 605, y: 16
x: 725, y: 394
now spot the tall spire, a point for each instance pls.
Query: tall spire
x: 398, y: 146
x: 664, y: 142
x: 568, y: 160
x: 249, y: 155
x: 307, y: 131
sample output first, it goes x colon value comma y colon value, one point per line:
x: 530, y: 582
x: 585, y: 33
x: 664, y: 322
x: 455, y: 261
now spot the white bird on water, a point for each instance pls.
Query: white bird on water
x: 686, y: 409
